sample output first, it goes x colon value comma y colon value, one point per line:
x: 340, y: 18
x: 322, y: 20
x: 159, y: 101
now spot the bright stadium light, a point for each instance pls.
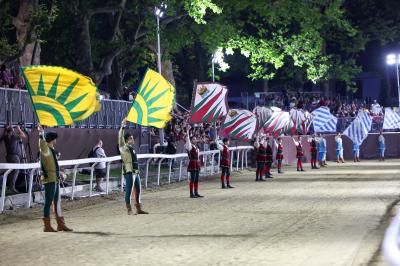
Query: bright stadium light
x: 159, y: 12
x: 394, y: 59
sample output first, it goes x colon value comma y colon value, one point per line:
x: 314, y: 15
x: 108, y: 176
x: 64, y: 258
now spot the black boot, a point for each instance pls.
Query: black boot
x: 197, y: 195
x: 223, y: 185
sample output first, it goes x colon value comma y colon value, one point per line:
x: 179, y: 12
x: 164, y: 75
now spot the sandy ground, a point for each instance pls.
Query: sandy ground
x: 332, y: 216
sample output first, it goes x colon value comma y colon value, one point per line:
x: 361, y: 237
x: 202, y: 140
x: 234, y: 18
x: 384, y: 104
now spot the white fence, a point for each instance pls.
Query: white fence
x: 391, y: 242
x: 240, y: 153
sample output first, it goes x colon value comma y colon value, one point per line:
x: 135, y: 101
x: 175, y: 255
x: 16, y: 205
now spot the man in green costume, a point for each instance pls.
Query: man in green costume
x: 50, y: 175
x: 130, y: 170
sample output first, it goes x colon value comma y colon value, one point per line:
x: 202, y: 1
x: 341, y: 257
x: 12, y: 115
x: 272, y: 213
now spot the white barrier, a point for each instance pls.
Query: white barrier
x: 240, y: 151
x: 391, y: 242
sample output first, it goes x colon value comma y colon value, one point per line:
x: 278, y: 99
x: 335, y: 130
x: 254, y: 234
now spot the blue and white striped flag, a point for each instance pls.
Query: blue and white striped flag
x: 392, y: 119
x: 359, y: 128
x: 324, y: 121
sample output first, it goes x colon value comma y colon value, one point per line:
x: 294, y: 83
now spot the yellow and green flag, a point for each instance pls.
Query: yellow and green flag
x: 153, y: 102
x: 60, y: 96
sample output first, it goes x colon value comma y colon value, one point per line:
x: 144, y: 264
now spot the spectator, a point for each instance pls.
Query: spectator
x: 376, y: 109
x: 100, y: 168
x: 171, y: 149
x: 5, y: 77
x: 13, y: 140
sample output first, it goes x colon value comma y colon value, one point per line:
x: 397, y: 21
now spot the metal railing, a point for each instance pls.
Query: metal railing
x: 391, y: 242
x: 16, y: 107
x: 238, y: 153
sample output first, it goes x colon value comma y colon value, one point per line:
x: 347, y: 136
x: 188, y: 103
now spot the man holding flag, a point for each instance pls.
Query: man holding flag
x: 381, y: 146
x: 194, y: 164
x: 299, y: 154
x: 279, y: 154
x: 268, y: 159
x: 313, y: 151
x: 339, y: 148
x: 321, y: 150
x: 130, y: 170
x: 50, y: 175
x: 225, y: 163
x: 261, y: 157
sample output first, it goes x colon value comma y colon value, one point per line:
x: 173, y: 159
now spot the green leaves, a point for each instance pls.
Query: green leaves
x: 197, y: 9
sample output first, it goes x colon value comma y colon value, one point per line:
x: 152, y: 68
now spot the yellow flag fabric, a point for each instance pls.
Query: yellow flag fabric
x: 60, y: 96
x: 153, y: 102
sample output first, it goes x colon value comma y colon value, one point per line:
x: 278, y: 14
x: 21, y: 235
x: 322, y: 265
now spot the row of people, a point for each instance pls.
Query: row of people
x: 264, y: 155
x: 50, y: 170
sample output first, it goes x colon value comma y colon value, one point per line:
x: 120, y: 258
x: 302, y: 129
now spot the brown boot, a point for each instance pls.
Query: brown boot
x: 61, y: 224
x: 139, y: 209
x: 47, y: 225
x: 129, y: 208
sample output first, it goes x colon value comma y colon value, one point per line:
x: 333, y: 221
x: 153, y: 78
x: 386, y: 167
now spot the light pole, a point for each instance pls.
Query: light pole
x: 394, y: 59
x: 212, y: 67
x: 159, y: 12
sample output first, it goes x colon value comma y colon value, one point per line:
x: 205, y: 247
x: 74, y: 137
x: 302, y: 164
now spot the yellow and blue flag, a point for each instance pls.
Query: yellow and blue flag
x: 60, y: 96
x: 153, y: 102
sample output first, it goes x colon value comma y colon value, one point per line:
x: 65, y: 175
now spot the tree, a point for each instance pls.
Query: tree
x: 22, y: 22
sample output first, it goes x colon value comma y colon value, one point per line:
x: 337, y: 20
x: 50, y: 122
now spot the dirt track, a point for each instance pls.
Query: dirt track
x: 322, y: 217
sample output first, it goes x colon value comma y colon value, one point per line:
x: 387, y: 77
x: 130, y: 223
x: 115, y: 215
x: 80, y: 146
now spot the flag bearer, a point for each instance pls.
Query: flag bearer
x: 225, y: 163
x: 50, y: 175
x: 314, y: 152
x: 381, y: 146
x: 299, y: 154
x: 356, y: 152
x: 279, y: 154
x: 130, y: 170
x: 339, y: 148
x: 268, y: 158
x: 321, y: 150
x: 194, y: 165
x: 261, y: 156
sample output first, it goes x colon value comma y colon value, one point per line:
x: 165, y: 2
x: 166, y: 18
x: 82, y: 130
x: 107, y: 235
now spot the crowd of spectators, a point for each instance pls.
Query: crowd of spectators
x: 310, y: 101
x: 177, y: 130
x: 11, y: 78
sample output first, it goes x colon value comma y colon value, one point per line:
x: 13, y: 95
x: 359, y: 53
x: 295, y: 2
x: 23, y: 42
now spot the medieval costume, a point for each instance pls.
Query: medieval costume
x: 321, y: 151
x: 261, y: 156
x: 193, y: 168
x: 356, y: 152
x: 381, y: 147
x: 279, y: 155
x: 299, y: 154
x: 268, y: 159
x: 130, y: 171
x: 313, y: 151
x: 339, y: 148
x: 225, y: 164
x: 50, y: 175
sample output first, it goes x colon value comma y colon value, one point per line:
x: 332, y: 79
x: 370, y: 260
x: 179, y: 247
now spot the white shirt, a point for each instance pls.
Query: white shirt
x: 100, y: 154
